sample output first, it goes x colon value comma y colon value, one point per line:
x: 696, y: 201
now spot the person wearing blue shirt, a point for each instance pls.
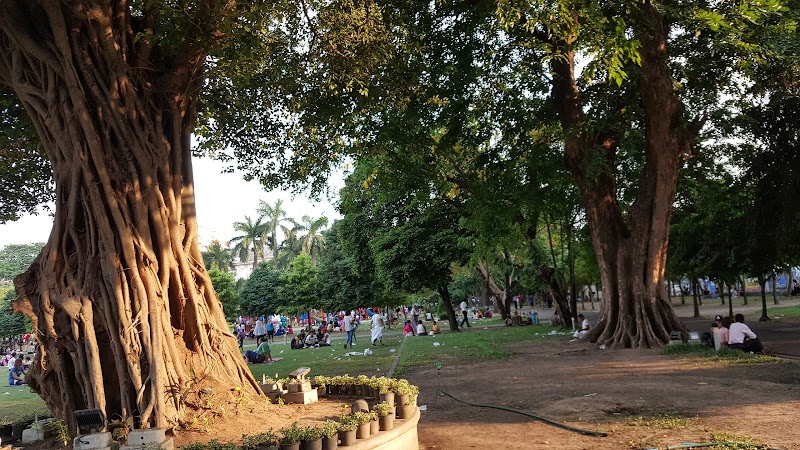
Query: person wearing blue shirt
x: 16, y: 373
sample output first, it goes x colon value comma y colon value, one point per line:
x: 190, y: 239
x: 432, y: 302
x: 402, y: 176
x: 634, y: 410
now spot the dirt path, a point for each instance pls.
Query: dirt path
x: 603, y: 390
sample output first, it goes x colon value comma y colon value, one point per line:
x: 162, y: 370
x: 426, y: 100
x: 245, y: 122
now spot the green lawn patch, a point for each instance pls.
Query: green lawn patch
x: 727, y: 355
x: 330, y: 361
x: 18, y: 404
x: 785, y: 311
x: 472, y: 345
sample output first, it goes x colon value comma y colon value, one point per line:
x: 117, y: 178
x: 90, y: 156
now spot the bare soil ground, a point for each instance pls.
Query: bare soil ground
x: 621, y: 392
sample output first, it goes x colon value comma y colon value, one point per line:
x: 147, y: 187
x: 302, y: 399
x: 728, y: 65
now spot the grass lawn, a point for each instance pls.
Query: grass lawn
x: 475, y: 344
x: 784, y: 311
x: 479, y: 342
x: 330, y: 361
x: 18, y: 403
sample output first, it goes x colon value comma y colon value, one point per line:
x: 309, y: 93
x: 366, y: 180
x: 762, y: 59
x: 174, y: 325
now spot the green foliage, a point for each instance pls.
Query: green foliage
x: 330, y: 428
x: 225, y: 286
x: 12, y: 323
x: 25, y: 174
x: 299, y: 289
x: 16, y: 258
x: 341, y: 287
x: 211, y: 445
x: 417, y: 254
x: 218, y: 257
x: 20, y: 405
x: 61, y: 431
x: 259, y: 294
x: 725, y: 355
x: 492, y: 343
x: 251, y: 239
x: 292, y: 433
x: 267, y: 439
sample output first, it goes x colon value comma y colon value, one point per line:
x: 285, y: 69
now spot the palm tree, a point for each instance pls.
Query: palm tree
x: 313, y: 241
x: 218, y: 257
x: 290, y: 246
x: 251, y: 236
x: 275, y: 216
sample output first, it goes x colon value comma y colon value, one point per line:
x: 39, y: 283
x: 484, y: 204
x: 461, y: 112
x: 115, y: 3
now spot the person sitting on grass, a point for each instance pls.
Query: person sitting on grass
x: 740, y: 336
x: 407, y: 330
x: 260, y: 354
x: 16, y: 374
x: 583, y: 331
x: 435, y: 329
x: 297, y: 343
x: 421, y: 331
x: 326, y: 340
x: 311, y: 340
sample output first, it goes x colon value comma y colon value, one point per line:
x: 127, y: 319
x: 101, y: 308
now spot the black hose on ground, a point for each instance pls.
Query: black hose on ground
x: 441, y: 391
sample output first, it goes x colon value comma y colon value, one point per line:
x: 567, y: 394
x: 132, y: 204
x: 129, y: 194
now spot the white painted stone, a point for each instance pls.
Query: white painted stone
x: 32, y: 435
x: 92, y: 441
x: 167, y: 444
x: 147, y: 436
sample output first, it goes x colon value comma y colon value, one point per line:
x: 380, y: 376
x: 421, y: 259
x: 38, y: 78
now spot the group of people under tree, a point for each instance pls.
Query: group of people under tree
x: 736, y: 334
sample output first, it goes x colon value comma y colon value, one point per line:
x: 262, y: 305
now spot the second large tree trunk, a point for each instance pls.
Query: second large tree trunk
x: 631, y: 246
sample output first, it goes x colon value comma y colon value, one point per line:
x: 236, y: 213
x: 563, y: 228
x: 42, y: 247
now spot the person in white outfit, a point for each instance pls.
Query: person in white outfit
x: 377, y: 328
x: 583, y: 331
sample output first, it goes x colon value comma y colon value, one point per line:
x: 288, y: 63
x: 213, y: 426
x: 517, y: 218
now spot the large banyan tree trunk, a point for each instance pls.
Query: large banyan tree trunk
x: 122, y: 307
x: 631, y: 245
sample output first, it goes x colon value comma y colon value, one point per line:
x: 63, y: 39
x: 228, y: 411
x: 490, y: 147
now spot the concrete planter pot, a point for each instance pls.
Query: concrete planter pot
x: 330, y: 443
x: 316, y: 444
x: 386, y: 423
x: 401, y: 399
x: 405, y: 411
x: 363, y: 431
x: 374, y: 427
x: 388, y: 398
x: 347, y: 438
x: 291, y: 446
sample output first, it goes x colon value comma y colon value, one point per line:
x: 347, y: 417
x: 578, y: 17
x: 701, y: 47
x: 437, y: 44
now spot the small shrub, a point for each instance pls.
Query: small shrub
x: 292, y: 433
x: 266, y: 439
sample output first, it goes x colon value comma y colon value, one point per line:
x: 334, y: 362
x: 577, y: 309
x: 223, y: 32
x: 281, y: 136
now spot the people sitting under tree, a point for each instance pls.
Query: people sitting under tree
x: 555, y: 319
x: 325, y: 341
x: 407, y: 330
x: 297, y: 343
x: 435, y: 328
x: 741, y: 337
x: 583, y: 331
x: 311, y: 340
x: 16, y: 374
x: 260, y: 354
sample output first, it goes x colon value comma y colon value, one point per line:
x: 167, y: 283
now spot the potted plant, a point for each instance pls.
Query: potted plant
x: 311, y: 438
x: 347, y: 430
x: 333, y: 384
x: 290, y: 437
x: 321, y: 382
x: 330, y: 435
x: 362, y: 385
x: 385, y: 416
x: 402, y: 389
x: 362, y: 419
x: 374, y: 426
x: 384, y: 387
x: 406, y: 398
x: 261, y: 441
